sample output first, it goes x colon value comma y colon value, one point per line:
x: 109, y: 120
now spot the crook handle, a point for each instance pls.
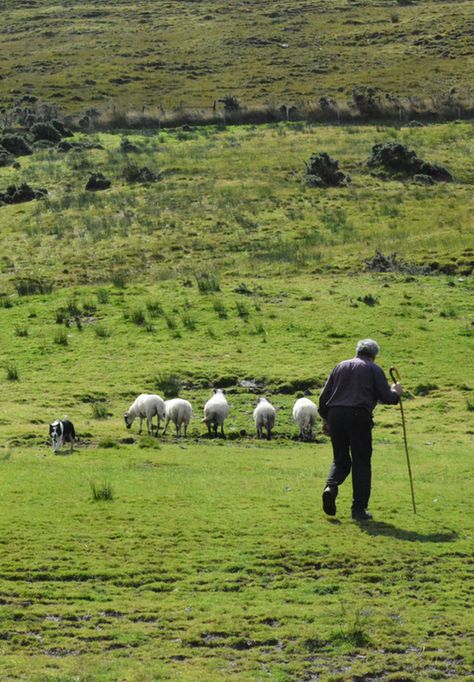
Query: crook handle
x: 395, y: 374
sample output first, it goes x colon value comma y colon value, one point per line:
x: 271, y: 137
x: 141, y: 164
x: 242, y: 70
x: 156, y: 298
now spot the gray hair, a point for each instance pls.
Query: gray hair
x: 367, y: 347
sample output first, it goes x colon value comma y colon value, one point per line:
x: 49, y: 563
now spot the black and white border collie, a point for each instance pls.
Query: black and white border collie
x: 61, y: 431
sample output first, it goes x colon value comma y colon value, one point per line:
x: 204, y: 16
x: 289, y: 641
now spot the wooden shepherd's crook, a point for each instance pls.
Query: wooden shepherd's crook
x: 395, y: 374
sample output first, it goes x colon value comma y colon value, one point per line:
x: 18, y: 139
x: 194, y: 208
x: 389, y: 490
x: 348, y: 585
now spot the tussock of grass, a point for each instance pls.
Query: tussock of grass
x: 168, y: 384
x: 102, y: 492
x: 99, y: 410
x: 12, y: 373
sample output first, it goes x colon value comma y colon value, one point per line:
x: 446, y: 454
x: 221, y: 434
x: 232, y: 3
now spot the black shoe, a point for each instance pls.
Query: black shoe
x: 329, y: 500
x: 361, y: 515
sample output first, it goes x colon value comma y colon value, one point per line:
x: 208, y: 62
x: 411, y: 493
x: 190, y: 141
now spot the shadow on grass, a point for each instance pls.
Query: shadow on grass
x: 387, y: 529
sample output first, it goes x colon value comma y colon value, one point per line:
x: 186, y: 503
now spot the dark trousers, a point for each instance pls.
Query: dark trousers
x: 351, y: 436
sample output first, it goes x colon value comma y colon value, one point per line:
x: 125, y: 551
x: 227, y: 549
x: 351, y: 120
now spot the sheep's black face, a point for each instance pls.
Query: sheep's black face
x: 127, y: 423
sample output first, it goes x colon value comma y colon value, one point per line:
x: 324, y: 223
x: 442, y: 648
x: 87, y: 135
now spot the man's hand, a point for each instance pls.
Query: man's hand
x: 325, y: 428
x: 398, y: 388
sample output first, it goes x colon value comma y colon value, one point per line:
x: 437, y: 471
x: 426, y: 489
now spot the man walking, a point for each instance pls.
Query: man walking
x: 348, y: 398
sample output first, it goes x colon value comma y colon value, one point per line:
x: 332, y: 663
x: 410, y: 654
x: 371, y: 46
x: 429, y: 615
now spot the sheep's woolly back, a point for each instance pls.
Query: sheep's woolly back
x: 179, y: 411
x: 264, y: 413
x: 216, y: 408
x: 305, y: 412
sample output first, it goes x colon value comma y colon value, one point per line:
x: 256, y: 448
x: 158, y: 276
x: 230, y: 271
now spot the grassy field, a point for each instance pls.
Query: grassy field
x: 233, y: 198
x: 171, y: 54
x: 212, y: 559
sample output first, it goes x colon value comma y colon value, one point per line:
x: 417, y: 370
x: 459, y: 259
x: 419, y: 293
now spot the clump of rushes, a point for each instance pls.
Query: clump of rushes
x: 102, y: 491
x: 60, y: 338
x: 12, y: 373
x: 102, y: 296
x: 168, y: 384
x: 99, y: 411
x: 101, y: 331
x: 220, y: 309
x: 207, y: 283
x: 154, y: 308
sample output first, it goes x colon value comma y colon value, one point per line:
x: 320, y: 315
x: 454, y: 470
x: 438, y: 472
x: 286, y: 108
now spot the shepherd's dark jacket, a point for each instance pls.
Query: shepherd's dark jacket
x: 356, y: 383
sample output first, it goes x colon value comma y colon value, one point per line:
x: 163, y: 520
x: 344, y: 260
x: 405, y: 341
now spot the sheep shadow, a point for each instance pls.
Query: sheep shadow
x: 375, y: 528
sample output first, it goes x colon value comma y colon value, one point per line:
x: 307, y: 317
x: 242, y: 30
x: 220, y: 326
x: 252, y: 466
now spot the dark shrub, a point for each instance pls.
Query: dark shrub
x: 127, y: 147
x: 18, y: 194
x: 423, y: 179
x: 368, y: 299
x: 97, y: 182
x: 25, y: 286
x: 322, y: 171
x: 395, y: 157
x: 61, y: 128
x: 133, y: 173
x: 368, y: 101
x: 64, y: 146
x: 6, y: 159
x: 45, y: 131
x: 230, y: 103
x: 425, y: 389
x: 392, y: 263
x: 16, y: 145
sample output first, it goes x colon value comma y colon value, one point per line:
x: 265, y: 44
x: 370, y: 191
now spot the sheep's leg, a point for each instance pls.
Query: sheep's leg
x: 222, y: 430
x: 166, y: 425
x: 269, y: 433
x: 208, y: 429
x: 185, y: 426
x: 215, y: 429
x: 178, y: 430
x: 149, y: 425
x: 140, y: 427
x: 157, y: 426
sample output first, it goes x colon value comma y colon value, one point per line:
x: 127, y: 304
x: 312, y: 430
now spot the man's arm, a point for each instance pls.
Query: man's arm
x: 386, y: 394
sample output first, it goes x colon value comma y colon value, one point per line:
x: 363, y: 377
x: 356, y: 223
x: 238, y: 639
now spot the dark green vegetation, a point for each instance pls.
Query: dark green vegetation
x: 174, y: 54
x: 149, y: 559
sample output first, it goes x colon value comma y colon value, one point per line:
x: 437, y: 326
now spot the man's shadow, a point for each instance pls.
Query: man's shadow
x: 387, y: 529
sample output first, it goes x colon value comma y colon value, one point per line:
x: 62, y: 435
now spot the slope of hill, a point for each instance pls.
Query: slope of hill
x: 103, y: 54
x: 204, y: 257
x: 228, y: 199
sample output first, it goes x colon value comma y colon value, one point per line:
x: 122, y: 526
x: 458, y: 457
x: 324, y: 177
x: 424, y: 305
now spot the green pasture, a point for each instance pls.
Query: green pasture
x: 83, y: 55
x: 212, y: 559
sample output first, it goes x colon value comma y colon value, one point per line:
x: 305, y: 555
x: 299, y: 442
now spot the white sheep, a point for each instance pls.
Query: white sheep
x: 178, y: 411
x: 146, y: 406
x: 215, y: 411
x: 305, y: 413
x: 264, y: 417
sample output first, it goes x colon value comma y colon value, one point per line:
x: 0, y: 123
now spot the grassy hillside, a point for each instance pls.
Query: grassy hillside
x: 213, y: 559
x: 86, y: 54
x: 234, y: 200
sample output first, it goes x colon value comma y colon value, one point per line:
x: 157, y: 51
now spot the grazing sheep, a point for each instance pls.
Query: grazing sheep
x: 145, y: 406
x: 61, y: 431
x: 264, y: 417
x: 178, y: 411
x: 215, y: 411
x: 305, y: 413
